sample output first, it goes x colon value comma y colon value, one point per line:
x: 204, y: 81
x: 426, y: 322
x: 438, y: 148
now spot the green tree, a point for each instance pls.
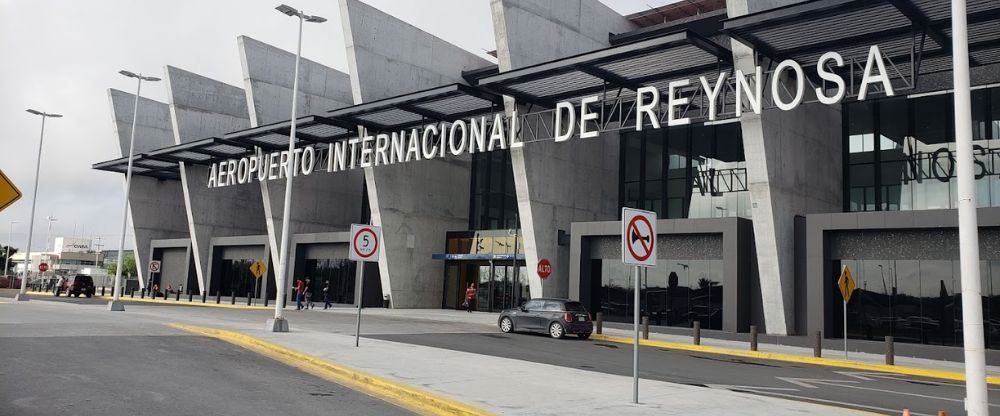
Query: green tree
x: 129, y: 267
x: 3, y: 258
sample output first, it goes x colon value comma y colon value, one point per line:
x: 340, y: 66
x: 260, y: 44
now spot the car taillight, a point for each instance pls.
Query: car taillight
x: 568, y: 317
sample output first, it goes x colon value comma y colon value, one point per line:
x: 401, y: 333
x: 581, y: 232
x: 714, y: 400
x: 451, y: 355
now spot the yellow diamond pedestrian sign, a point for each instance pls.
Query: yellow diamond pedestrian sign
x: 846, y: 284
x: 258, y: 269
x: 8, y: 192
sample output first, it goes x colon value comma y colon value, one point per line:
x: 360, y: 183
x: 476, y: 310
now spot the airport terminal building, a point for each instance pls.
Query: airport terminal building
x: 777, y: 140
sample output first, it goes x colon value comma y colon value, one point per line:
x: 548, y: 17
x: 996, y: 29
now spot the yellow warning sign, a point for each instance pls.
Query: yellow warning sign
x: 258, y: 269
x: 846, y: 284
x: 8, y: 192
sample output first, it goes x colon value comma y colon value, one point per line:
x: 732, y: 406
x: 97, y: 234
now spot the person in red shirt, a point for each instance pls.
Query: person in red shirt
x: 300, y: 293
x: 470, y: 295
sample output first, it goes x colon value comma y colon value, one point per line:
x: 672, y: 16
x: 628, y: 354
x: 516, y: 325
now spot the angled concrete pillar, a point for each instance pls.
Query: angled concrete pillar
x: 156, y: 206
x: 793, y: 168
x: 415, y: 203
x: 201, y: 107
x: 322, y: 202
x: 558, y: 184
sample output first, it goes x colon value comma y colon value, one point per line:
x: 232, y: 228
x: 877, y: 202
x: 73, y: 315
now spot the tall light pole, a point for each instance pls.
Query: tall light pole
x: 6, y: 258
x: 115, y: 303
x: 968, y: 231
x: 278, y: 323
x: 22, y: 295
x: 48, y: 231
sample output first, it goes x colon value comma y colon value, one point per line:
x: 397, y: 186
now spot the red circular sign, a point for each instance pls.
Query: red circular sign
x: 645, y: 241
x: 42, y: 267
x: 544, y: 268
x: 366, y: 251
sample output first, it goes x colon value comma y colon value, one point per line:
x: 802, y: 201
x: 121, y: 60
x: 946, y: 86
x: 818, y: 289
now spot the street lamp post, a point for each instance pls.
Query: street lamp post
x: 6, y: 258
x: 115, y: 304
x: 48, y: 231
x: 976, y: 400
x: 22, y: 295
x: 278, y: 323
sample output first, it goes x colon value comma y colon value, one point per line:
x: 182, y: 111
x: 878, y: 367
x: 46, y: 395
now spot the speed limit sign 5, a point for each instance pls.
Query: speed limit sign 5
x: 366, y: 241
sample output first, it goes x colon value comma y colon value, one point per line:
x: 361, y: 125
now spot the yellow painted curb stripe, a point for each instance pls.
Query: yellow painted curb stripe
x: 774, y: 356
x: 414, y: 399
x: 172, y: 302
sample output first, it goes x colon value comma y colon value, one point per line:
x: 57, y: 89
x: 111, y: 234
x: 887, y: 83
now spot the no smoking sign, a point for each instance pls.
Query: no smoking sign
x: 638, y: 237
x: 366, y: 241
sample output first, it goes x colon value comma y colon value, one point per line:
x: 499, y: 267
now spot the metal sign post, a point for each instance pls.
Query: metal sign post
x: 365, y: 247
x: 638, y: 250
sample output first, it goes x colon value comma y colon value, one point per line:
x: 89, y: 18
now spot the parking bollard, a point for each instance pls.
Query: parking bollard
x: 249, y: 298
x: 178, y: 297
x: 265, y: 301
x: 890, y: 351
x: 218, y: 296
x: 696, y: 329
x: 190, y: 296
x: 818, y: 344
x: 753, y: 337
x: 131, y: 293
x: 645, y: 327
x: 233, y: 299
x: 600, y: 322
x: 203, y: 294
x: 142, y: 294
x: 102, y: 291
x: 284, y: 302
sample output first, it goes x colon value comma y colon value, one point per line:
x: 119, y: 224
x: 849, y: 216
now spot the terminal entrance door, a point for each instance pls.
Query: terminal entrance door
x: 498, y: 285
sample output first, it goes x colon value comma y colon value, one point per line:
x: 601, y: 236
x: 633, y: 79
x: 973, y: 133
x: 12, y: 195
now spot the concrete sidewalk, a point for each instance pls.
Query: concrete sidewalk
x: 497, y: 385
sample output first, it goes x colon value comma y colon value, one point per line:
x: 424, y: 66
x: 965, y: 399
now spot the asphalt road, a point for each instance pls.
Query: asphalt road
x: 58, y: 368
x: 876, y: 392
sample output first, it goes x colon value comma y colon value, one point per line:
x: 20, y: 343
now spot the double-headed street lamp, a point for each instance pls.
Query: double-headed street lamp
x: 279, y: 324
x: 23, y: 293
x: 115, y: 304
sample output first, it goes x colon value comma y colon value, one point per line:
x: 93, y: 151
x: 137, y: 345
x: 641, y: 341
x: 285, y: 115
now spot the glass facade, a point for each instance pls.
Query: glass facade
x: 490, y: 261
x: 340, y: 273
x: 900, y: 153
x: 918, y: 301
x: 685, y: 172
x: 675, y: 293
x: 493, y: 202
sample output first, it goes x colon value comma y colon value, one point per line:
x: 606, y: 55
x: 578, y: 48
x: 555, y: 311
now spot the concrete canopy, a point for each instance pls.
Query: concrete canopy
x: 415, y: 203
x: 156, y: 207
x: 322, y: 202
x: 558, y: 185
x: 202, y: 107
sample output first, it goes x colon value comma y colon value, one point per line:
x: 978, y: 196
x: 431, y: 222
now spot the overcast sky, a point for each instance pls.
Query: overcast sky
x: 62, y: 56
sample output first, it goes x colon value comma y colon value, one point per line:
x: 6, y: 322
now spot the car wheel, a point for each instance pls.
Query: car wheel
x: 76, y: 294
x: 584, y: 335
x: 89, y: 295
x: 556, y: 330
x: 506, y: 325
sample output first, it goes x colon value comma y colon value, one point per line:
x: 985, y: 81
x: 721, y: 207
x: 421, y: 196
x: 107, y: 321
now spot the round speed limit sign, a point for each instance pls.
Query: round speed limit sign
x: 365, y: 242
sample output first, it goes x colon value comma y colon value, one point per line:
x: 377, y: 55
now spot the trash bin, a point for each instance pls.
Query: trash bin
x: 385, y: 301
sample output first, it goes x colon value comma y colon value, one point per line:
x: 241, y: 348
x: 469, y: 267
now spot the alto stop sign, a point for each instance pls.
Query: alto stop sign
x: 42, y: 267
x: 544, y: 268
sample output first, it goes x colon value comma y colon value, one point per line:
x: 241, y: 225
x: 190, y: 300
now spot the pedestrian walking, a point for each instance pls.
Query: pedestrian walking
x: 327, y: 295
x: 170, y: 288
x: 470, y: 295
x: 300, y: 293
x: 309, y: 302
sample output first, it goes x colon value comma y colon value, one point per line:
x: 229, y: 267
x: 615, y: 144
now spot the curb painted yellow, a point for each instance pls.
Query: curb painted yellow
x: 774, y: 356
x: 171, y: 302
x: 411, y: 398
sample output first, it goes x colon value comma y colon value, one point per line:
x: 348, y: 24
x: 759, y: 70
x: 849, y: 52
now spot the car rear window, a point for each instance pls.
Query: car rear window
x: 85, y: 280
x: 575, y: 307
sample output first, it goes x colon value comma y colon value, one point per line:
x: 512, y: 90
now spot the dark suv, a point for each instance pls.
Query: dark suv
x: 75, y: 285
x: 557, y: 317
